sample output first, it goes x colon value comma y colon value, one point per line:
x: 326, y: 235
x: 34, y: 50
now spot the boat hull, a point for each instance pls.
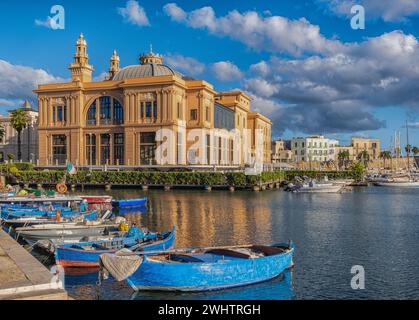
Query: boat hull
x: 63, y: 233
x: 398, y: 184
x: 130, y: 203
x: 328, y: 189
x: 198, y: 277
x: 71, y: 257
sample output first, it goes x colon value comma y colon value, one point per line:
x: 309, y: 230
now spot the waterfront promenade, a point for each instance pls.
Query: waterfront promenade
x: 23, y: 277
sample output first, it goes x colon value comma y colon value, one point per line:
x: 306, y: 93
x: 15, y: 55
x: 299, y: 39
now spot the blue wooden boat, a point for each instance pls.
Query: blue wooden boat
x: 87, y: 254
x: 201, y: 269
x: 141, y: 202
x: 12, y: 215
x: 131, y: 210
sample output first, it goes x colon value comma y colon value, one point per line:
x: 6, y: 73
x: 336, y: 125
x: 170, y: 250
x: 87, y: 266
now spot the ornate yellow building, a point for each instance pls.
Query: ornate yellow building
x: 117, y: 121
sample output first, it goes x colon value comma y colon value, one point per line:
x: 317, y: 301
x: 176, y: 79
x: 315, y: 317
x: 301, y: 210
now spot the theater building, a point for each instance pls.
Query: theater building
x: 117, y: 121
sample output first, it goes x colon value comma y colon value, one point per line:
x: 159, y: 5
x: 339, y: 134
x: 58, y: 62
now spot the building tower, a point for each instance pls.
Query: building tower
x: 151, y: 58
x: 81, y: 70
x: 114, y: 67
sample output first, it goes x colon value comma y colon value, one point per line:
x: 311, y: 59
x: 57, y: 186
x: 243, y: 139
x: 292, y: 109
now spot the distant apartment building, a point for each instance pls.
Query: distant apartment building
x: 349, y: 149
x: 372, y: 146
x: 314, y: 148
x: 281, y: 152
x: 29, y: 136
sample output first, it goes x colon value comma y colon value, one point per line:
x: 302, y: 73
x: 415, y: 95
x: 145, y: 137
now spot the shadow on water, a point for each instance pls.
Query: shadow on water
x: 84, y: 285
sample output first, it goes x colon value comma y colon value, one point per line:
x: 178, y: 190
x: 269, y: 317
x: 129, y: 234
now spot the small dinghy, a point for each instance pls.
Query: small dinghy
x: 203, y: 269
x: 87, y: 254
x: 66, y: 230
x: 118, y: 204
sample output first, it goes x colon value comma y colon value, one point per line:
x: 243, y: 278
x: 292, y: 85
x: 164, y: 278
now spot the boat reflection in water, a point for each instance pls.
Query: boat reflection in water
x: 84, y: 285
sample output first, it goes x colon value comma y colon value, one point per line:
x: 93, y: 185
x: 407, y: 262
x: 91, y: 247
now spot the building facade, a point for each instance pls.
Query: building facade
x: 281, y: 152
x: 349, y: 149
x: 372, y: 146
x: 29, y: 137
x: 123, y: 119
x: 315, y: 148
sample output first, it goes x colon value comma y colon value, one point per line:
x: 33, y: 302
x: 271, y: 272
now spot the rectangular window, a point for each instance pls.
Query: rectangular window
x: 155, y: 110
x: 148, y: 148
x: 118, y: 149
x: 91, y: 149
x: 59, y: 149
x: 60, y: 116
x: 148, y: 109
x: 105, y: 148
x: 194, y: 114
x: 118, y: 112
x: 105, y: 110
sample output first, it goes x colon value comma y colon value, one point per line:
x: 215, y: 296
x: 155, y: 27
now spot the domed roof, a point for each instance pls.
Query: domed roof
x: 144, y: 70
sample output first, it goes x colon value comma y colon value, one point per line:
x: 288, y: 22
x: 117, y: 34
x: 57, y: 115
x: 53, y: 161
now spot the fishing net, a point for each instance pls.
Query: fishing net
x: 120, y: 265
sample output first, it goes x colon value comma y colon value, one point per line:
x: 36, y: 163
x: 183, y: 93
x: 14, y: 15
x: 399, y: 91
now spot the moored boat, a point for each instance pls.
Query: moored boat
x: 70, y: 230
x: 141, y: 202
x: 204, y: 269
x: 87, y: 254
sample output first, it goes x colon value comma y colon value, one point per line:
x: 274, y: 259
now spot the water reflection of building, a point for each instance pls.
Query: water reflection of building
x: 208, y: 219
x: 29, y: 136
x: 115, y: 121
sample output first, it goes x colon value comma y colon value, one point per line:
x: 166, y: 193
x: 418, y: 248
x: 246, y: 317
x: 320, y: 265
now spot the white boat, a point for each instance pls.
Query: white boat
x: 322, y: 187
x: 398, y: 184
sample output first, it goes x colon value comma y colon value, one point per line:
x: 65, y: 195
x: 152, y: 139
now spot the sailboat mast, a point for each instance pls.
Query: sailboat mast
x: 408, y: 148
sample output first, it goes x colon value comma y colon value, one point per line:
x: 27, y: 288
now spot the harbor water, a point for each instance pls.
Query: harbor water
x: 376, y: 228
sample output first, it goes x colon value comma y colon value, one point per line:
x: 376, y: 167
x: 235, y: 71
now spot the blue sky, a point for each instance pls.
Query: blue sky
x: 317, y: 75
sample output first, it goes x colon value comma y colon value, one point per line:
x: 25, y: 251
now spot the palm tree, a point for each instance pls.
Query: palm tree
x: 364, y: 157
x: 385, y: 155
x: 415, y: 150
x: 343, y: 158
x: 19, y: 121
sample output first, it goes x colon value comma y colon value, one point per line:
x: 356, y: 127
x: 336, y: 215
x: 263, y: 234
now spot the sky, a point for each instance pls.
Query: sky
x: 301, y: 61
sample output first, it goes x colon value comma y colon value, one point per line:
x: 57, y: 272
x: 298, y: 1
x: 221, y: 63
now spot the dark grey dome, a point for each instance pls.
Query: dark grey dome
x: 144, y: 71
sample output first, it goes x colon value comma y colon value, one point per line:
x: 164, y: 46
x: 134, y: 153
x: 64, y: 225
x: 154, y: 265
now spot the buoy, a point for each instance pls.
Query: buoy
x: 61, y: 188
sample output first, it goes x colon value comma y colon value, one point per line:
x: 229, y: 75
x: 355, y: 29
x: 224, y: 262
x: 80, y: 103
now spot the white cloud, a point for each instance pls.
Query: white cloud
x: 271, y: 33
x: 186, y: 65
x: 47, y: 23
x: 226, y: 71
x: 17, y: 82
x: 338, y: 93
x: 175, y: 12
x: 134, y: 13
x: 387, y: 10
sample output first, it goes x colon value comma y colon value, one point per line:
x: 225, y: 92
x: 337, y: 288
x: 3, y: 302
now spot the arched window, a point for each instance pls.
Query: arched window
x: 111, y: 112
x: 91, y: 114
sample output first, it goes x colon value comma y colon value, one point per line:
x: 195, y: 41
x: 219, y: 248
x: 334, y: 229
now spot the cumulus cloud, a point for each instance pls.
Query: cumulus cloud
x: 133, y: 13
x: 226, y: 71
x: 339, y: 92
x: 17, y: 82
x: 186, y: 65
x: 272, y: 33
x: 175, y: 12
x: 387, y: 10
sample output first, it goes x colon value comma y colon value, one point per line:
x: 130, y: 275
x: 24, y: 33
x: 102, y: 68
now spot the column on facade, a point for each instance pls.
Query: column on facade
x: 126, y: 108
x: 132, y: 108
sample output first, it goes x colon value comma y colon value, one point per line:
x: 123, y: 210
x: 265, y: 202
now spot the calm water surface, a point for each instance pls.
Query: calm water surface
x: 377, y: 228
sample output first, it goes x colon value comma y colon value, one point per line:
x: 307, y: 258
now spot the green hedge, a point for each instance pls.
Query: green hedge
x: 149, y: 177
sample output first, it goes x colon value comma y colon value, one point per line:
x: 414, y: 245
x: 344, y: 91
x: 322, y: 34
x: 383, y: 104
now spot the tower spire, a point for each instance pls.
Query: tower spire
x: 80, y: 69
x: 114, y: 66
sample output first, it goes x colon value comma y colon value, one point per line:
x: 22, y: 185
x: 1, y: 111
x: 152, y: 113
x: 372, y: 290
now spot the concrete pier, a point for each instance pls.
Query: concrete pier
x: 23, y: 277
